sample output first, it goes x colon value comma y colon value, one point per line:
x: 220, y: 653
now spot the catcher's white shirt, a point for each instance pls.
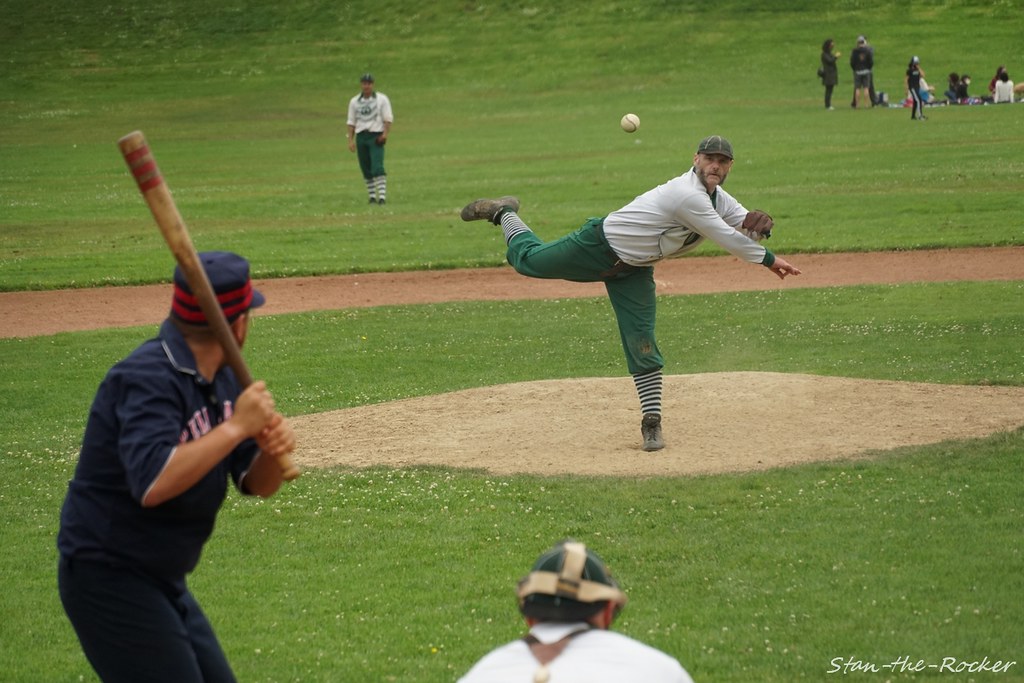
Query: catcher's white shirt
x: 370, y: 113
x: 597, y: 656
x: 674, y: 218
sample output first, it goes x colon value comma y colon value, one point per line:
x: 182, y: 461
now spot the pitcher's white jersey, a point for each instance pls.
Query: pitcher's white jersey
x: 675, y: 218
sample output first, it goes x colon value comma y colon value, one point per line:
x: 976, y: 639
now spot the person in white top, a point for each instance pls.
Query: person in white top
x: 569, y: 601
x: 621, y: 248
x: 369, y: 123
x: 1004, y: 88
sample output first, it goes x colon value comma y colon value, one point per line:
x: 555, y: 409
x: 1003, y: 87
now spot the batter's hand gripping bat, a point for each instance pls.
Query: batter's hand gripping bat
x: 156, y: 193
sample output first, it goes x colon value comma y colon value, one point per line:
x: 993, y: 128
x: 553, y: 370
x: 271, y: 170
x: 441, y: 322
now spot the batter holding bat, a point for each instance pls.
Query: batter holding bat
x: 622, y: 248
x: 169, y: 425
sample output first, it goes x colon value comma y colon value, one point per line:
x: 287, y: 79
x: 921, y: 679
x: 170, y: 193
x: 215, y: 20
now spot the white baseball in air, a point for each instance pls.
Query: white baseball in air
x: 630, y: 122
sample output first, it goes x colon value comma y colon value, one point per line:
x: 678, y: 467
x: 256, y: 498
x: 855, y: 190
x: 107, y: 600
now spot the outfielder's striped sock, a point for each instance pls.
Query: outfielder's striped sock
x: 512, y: 225
x: 381, y: 183
x: 371, y: 188
x: 648, y: 388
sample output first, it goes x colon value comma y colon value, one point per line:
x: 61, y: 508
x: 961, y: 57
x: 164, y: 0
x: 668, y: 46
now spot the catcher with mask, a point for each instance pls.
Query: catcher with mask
x: 622, y: 248
x: 569, y: 600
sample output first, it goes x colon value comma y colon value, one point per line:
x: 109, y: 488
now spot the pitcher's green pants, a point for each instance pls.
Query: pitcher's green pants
x: 584, y: 256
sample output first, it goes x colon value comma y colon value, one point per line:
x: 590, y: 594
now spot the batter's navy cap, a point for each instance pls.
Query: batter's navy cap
x: 715, y: 144
x: 229, y: 275
x: 366, y: 78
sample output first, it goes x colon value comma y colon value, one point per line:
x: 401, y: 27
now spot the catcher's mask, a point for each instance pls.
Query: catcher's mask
x: 569, y: 582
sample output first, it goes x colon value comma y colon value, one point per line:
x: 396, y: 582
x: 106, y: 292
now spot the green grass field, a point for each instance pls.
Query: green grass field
x: 407, y: 575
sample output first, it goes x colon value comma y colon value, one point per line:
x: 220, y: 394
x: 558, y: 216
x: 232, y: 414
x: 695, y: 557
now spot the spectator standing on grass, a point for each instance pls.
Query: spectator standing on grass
x: 871, y: 80
x: 168, y: 428
x: 569, y: 601
x: 913, y: 83
x: 862, y: 62
x: 829, y: 71
x: 369, y: 123
x: 1003, y: 92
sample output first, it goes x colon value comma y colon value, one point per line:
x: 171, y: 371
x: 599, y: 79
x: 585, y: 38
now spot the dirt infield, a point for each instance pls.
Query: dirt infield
x: 718, y: 422
x: 25, y: 314
x: 597, y: 429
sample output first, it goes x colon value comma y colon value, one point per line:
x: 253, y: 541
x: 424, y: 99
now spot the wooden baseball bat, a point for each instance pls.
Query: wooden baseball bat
x: 158, y: 196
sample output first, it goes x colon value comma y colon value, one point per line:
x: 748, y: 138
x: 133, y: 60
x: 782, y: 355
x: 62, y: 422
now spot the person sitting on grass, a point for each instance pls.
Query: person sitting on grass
x: 1003, y: 93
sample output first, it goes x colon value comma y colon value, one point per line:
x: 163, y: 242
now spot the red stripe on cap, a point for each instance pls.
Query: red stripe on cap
x: 188, y: 315
x: 240, y: 307
x: 186, y: 306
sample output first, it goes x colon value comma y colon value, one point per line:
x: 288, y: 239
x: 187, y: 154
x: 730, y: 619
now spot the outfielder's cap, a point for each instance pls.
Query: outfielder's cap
x: 229, y: 276
x: 715, y: 144
x: 366, y: 78
x: 566, y: 582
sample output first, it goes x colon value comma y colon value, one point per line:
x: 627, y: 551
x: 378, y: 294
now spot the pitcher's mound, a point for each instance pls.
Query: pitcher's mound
x: 719, y: 422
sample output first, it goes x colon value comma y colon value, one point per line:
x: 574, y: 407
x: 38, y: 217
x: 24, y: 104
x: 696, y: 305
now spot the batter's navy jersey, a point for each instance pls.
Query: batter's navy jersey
x: 146, y: 406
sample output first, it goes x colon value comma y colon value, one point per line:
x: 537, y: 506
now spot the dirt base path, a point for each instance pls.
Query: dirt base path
x: 25, y: 314
x: 821, y: 418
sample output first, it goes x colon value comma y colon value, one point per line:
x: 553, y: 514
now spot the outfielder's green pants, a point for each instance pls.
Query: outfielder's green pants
x: 584, y: 256
x: 370, y: 154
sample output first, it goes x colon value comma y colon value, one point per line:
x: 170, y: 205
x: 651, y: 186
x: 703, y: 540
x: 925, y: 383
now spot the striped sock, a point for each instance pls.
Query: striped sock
x: 512, y: 225
x: 370, y: 187
x: 381, y: 182
x: 648, y: 388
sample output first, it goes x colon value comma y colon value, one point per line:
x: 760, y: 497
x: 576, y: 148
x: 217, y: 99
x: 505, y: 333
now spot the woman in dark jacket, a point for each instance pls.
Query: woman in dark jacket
x: 829, y: 73
x: 913, y: 81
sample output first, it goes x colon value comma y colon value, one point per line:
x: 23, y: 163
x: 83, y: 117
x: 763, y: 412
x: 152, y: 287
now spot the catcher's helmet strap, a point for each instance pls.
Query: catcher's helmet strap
x: 575, y: 561
x: 569, y: 582
x: 549, y: 583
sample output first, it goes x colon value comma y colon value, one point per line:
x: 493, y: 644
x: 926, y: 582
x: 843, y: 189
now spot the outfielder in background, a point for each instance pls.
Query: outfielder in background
x: 621, y: 248
x: 369, y: 122
x: 168, y: 426
x: 569, y: 601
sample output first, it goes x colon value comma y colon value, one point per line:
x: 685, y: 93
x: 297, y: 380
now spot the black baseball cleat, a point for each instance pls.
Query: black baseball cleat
x: 489, y: 209
x: 650, y: 428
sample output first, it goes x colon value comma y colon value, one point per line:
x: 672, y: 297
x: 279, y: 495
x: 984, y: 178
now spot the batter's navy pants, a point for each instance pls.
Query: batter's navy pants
x: 135, y: 630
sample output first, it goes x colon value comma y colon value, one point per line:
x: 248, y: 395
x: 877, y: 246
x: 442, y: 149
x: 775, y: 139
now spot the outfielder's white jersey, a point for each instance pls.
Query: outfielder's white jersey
x: 370, y: 113
x: 674, y: 218
x: 596, y: 656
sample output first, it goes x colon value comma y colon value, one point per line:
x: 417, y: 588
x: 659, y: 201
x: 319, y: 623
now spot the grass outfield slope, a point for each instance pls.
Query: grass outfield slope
x: 243, y: 105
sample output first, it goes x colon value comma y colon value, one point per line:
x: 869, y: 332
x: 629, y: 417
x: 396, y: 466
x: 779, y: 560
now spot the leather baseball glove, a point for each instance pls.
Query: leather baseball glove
x: 381, y: 140
x: 759, y: 222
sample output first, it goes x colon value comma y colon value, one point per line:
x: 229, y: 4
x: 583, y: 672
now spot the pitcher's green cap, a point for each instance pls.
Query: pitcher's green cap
x: 715, y: 144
